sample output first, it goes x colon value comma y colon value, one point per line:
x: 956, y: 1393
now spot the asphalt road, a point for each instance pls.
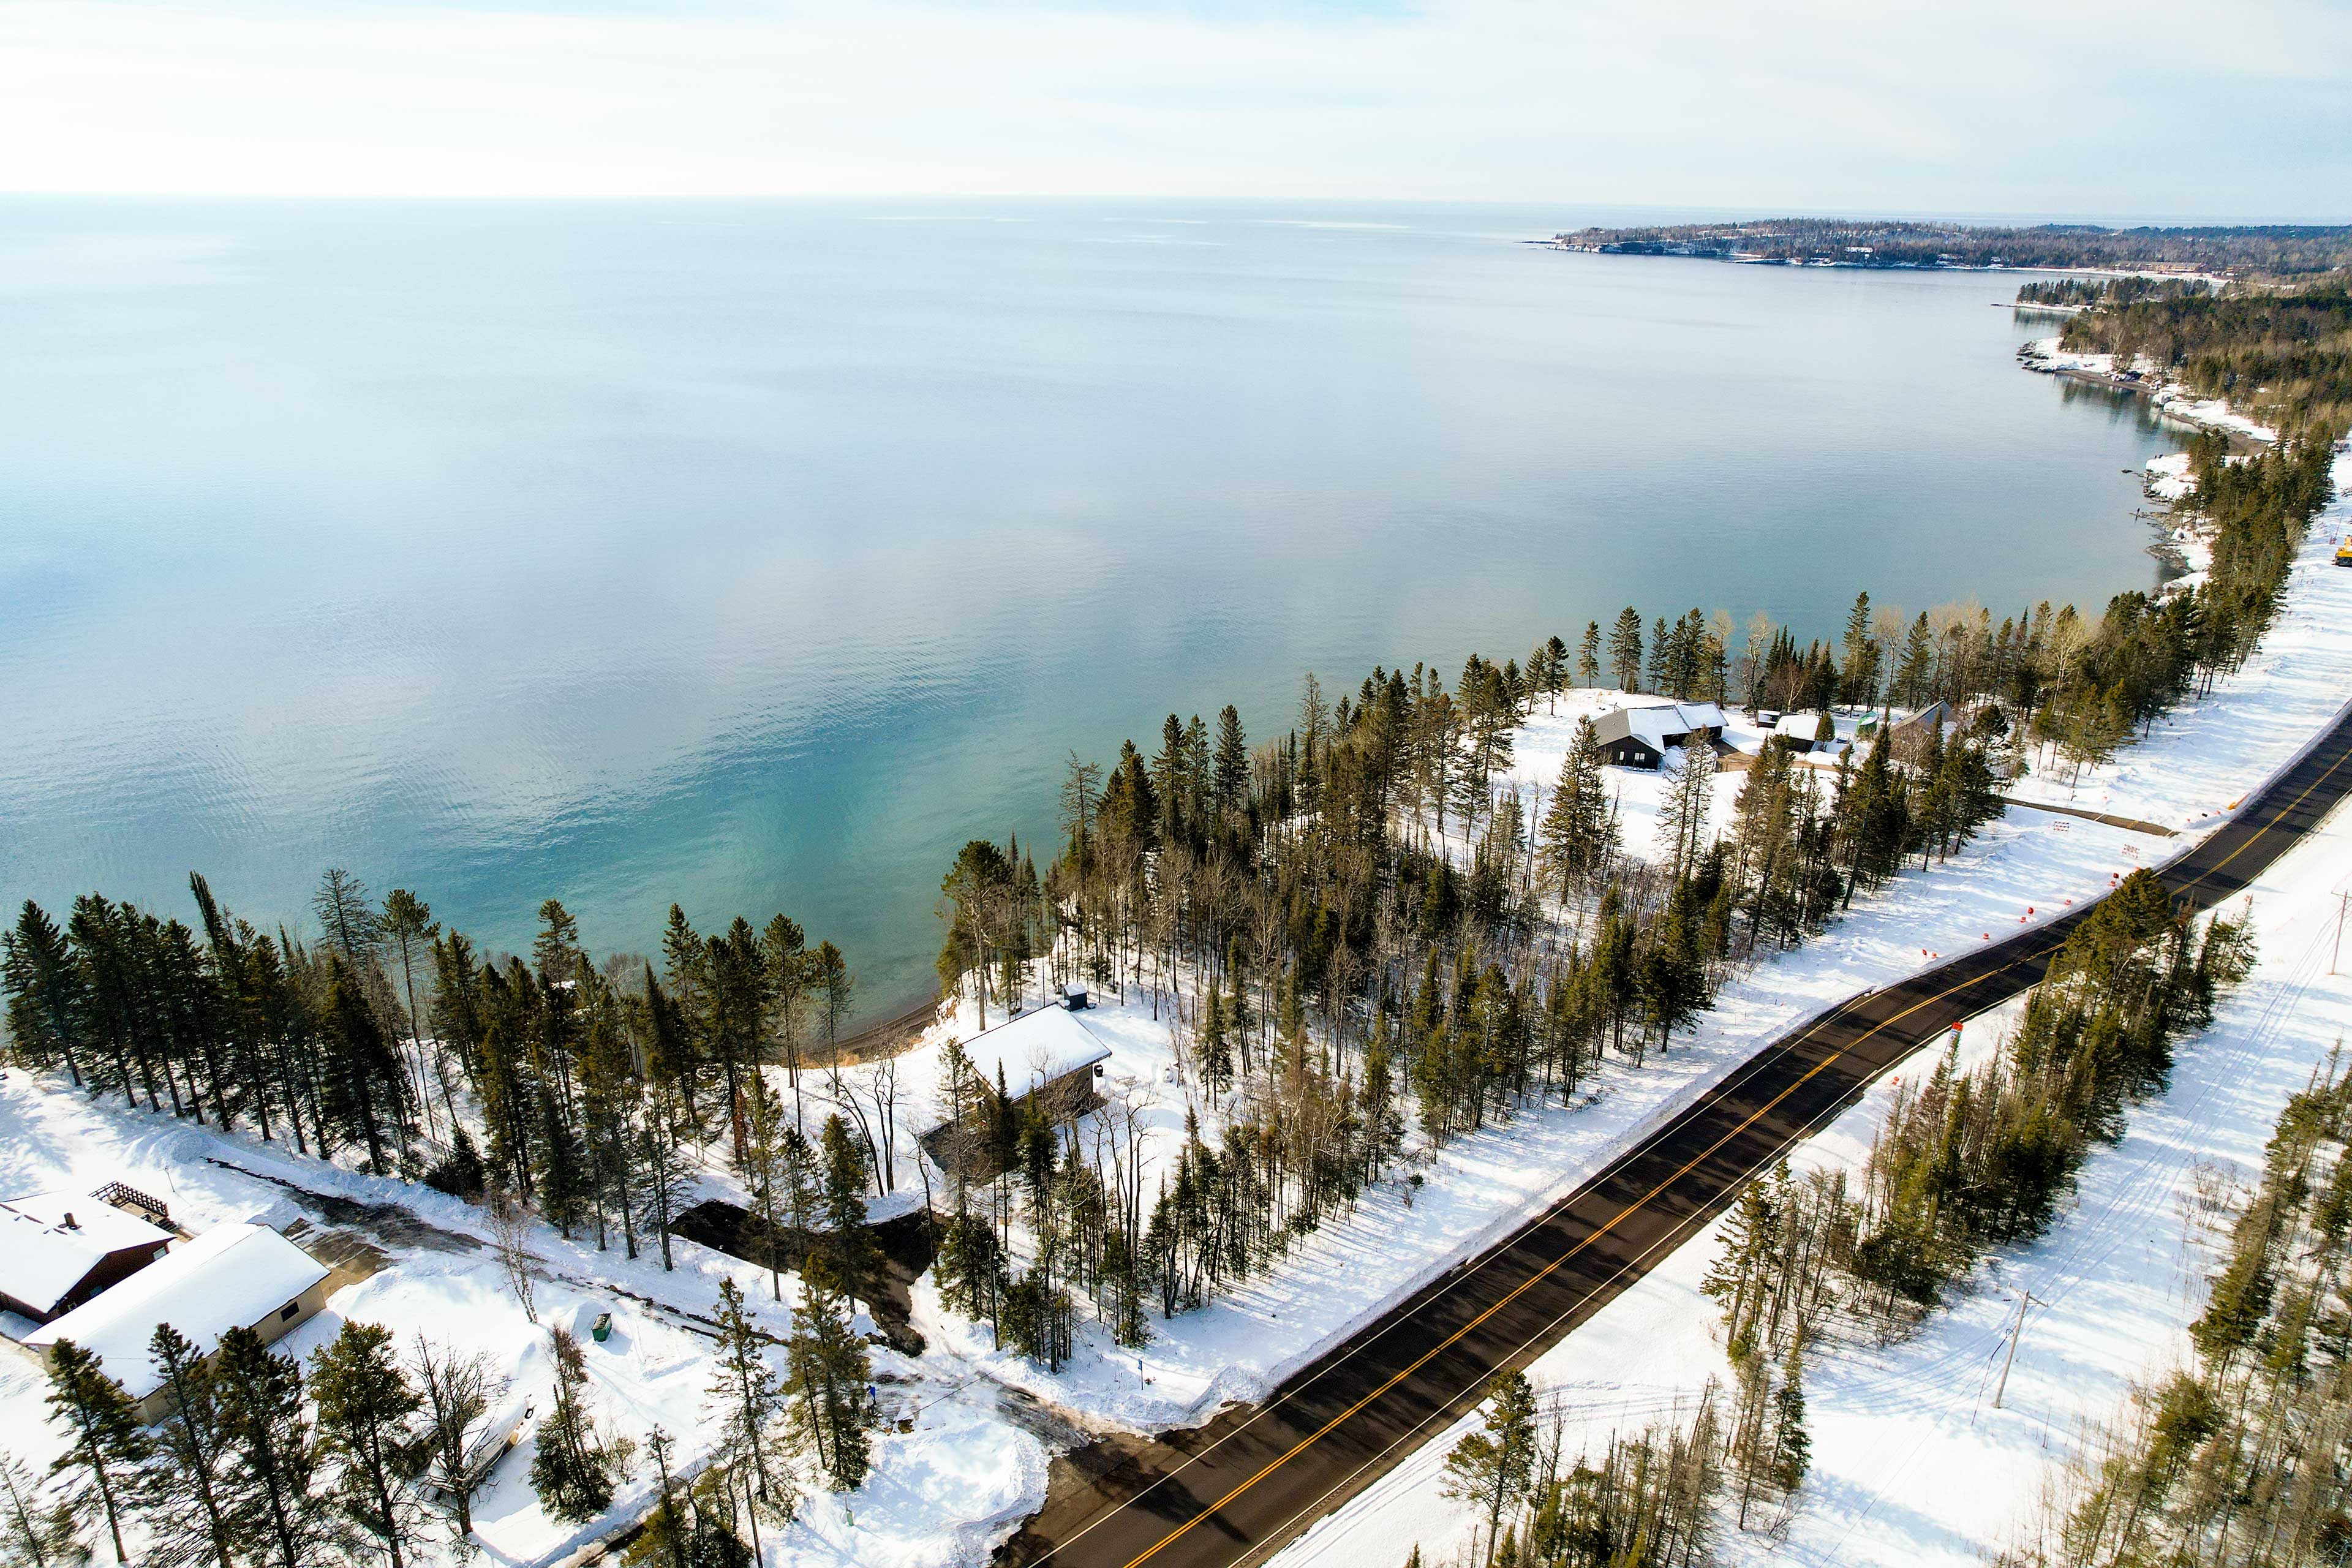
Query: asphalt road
x: 1234, y: 1490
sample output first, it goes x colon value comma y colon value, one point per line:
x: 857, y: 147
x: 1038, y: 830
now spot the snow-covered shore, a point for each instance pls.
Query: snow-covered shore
x: 2170, y: 400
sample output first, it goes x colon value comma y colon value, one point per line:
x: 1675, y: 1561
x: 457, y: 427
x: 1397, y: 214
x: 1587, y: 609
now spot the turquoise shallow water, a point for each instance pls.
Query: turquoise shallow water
x: 753, y: 556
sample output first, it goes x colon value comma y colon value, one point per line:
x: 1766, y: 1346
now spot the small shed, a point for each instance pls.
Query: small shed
x: 59, y: 1250
x: 232, y: 1276
x: 1803, y: 732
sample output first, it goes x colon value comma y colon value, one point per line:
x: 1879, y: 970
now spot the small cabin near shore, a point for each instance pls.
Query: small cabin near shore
x: 1044, y: 1056
x: 59, y: 1250
x: 238, y: 1275
x: 1803, y: 732
x: 1911, y: 739
x: 1044, y: 1051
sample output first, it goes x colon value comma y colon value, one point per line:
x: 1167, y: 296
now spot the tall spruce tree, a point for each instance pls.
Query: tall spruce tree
x: 271, y: 1479
x: 35, y: 1532
x: 827, y: 1381
x: 365, y: 1404
x: 576, y: 1469
x: 748, y: 1398
x: 190, y: 1521
x: 856, y: 1258
x: 106, y: 1450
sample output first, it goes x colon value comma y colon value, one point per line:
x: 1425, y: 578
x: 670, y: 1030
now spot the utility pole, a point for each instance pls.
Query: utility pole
x: 2342, y: 899
x: 2016, y: 1332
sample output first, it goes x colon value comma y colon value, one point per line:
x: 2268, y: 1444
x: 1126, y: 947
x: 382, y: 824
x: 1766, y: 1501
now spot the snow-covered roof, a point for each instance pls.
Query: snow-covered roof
x: 1664, y: 723
x: 232, y: 1276
x: 42, y: 1257
x: 1702, y: 715
x: 1804, y: 726
x: 1033, y: 1049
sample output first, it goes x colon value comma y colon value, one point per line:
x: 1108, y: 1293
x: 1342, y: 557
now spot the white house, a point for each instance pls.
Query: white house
x: 231, y: 1277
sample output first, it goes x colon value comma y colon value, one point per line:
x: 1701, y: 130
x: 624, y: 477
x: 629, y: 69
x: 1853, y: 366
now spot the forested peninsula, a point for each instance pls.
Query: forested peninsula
x: 2273, y: 250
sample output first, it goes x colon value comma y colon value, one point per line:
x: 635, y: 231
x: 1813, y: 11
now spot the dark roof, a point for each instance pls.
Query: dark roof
x: 1616, y: 726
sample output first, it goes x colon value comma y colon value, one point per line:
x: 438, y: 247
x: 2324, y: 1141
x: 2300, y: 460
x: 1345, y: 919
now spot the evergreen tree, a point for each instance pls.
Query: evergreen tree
x: 364, y: 1085
x: 1792, y: 1446
x: 747, y: 1398
x: 348, y: 917
x: 1588, y: 670
x: 45, y: 992
x: 1232, y: 761
x: 1626, y: 649
x: 576, y: 1470
x: 190, y: 1521
x: 364, y: 1404
x: 1578, y: 833
x: 34, y: 1532
x: 828, y: 1375
x: 106, y: 1450
x: 1858, y: 675
x: 1493, y: 1466
x: 270, y: 1488
x: 856, y: 1262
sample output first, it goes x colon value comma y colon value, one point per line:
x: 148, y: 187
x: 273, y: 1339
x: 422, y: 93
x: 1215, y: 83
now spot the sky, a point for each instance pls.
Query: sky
x: 2162, y: 108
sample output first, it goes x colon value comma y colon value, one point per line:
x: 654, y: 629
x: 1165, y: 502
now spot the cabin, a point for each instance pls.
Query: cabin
x: 1046, y: 1055
x: 1624, y: 746
x: 1641, y: 737
x: 238, y: 1275
x: 1044, y: 1051
x: 59, y: 1250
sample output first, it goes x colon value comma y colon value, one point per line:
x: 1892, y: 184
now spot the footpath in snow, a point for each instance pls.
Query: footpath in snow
x: 1911, y: 1463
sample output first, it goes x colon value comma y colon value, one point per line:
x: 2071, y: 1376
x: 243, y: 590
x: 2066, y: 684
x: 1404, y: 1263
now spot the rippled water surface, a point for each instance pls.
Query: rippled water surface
x: 754, y: 556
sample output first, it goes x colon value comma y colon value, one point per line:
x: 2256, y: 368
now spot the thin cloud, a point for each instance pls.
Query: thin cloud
x: 2001, y: 107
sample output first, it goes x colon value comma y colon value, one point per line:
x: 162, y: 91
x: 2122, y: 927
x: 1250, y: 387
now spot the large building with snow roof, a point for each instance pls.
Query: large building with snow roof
x: 237, y: 1276
x: 59, y: 1250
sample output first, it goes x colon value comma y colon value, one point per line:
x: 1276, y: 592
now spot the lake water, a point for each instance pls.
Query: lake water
x: 753, y: 556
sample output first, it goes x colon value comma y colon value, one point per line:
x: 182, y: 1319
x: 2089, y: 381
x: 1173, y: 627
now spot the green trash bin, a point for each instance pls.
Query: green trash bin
x: 602, y: 1328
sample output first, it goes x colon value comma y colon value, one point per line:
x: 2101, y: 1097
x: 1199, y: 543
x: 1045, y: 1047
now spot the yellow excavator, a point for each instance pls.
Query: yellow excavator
x: 2344, y: 551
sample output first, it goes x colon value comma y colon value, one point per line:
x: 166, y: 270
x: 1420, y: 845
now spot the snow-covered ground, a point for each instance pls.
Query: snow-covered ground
x: 942, y: 1491
x: 1911, y: 1463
